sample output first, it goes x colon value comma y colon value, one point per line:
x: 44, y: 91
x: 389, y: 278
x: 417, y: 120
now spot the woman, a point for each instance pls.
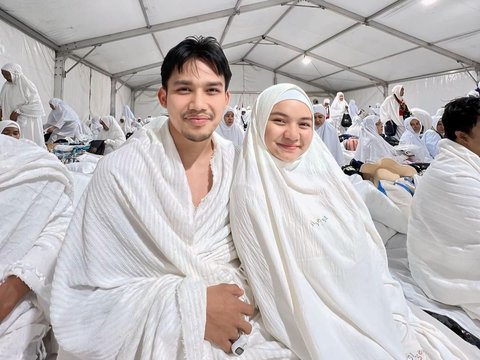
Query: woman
x: 309, y: 248
x: 111, y: 133
x: 62, y: 121
x: 327, y: 133
x: 395, y: 109
x: 229, y: 130
x: 433, y: 136
x: 371, y: 146
x: 411, y: 137
x: 338, y: 108
x: 10, y: 128
x: 20, y: 102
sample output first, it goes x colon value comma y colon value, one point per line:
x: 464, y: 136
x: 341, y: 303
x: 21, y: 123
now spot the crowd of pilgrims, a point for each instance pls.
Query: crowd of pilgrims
x: 385, y: 149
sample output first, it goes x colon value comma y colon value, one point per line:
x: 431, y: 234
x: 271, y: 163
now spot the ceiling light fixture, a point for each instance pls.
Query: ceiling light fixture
x: 306, y: 60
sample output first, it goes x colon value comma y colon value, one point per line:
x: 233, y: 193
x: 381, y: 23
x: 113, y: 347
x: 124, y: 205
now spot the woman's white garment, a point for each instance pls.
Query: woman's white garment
x: 316, y: 264
x: 21, y: 96
x: 233, y: 133
x: 35, y: 198
x: 444, y: 229
x: 356, y: 128
x: 371, y: 146
x: 328, y: 134
x: 65, y: 120
x: 432, y: 137
x: 4, y: 124
x: 114, y: 136
x: 144, y: 256
x: 414, y: 142
x: 352, y: 109
x: 337, y: 109
x: 95, y: 126
x: 390, y: 110
x: 424, y: 117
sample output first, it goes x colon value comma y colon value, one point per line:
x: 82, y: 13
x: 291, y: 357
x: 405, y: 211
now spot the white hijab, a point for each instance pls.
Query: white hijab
x: 329, y: 136
x: 410, y: 137
x: 64, y: 118
x: 233, y: 133
x: 371, y: 146
x: 316, y: 264
x: 9, y: 124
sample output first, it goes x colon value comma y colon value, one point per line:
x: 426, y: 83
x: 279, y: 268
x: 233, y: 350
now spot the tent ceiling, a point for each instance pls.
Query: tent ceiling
x: 353, y: 44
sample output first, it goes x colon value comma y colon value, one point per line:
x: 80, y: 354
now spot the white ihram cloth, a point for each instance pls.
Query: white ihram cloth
x: 234, y: 132
x: 65, y: 120
x: 415, y: 143
x: 444, y: 230
x: 143, y: 257
x: 316, y: 264
x: 35, y: 208
x: 390, y: 110
x: 21, y: 96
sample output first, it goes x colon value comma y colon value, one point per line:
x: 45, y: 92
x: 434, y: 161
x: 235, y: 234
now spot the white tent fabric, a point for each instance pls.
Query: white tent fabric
x: 362, y: 50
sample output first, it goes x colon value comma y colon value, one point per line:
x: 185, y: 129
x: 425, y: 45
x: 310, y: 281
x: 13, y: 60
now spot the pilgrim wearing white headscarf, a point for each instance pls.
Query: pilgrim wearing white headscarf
x: 371, y: 146
x: 432, y: 137
x: 63, y: 120
x: 316, y: 264
x: 9, y: 124
x: 415, y: 143
x: 232, y: 132
x: 113, y: 136
x: 328, y: 134
x: 352, y: 109
x: 337, y: 109
x: 36, y: 195
x: 21, y: 96
x: 356, y: 127
x: 144, y: 257
x: 423, y: 116
x: 444, y: 229
x: 392, y: 108
x: 128, y: 124
x: 95, y: 126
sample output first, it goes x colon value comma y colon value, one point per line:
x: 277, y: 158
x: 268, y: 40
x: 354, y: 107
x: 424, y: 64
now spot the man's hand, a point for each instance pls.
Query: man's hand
x: 225, y: 315
x: 14, y: 116
x: 11, y: 292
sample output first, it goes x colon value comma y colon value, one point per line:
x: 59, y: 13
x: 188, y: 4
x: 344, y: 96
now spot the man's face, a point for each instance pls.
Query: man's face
x: 7, y: 75
x: 471, y: 140
x: 319, y: 119
x: 11, y: 131
x: 228, y: 117
x: 195, y: 101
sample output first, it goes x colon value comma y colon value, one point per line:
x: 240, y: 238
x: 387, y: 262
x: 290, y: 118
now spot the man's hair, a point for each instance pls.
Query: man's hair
x: 206, y: 49
x: 461, y: 114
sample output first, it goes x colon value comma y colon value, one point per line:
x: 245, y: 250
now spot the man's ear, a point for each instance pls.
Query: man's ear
x: 162, y: 97
x: 227, y: 97
x: 461, y: 138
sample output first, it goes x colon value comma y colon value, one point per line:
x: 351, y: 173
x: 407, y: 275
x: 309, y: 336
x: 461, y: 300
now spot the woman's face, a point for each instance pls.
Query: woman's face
x: 12, y: 131
x: 379, y: 126
x: 416, y: 126
x: 440, y: 127
x: 228, y: 118
x: 289, y: 130
x: 319, y: 119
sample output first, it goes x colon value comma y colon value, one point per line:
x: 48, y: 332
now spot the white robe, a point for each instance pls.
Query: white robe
x: 328, y: 134
x: 114, y: 136
x: 415, y: 144
x: 444, y: 230
x: 233, y: 133
x: 432, y: 137
x: 389, y: 110
x: 144, y: 256
x: 35, y: 208
x: 316, y: 264
x: 21, y: 96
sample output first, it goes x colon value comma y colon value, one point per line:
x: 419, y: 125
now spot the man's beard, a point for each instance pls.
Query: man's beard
x: 195, y: 137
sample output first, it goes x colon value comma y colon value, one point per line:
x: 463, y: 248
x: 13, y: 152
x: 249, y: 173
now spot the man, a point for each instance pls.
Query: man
x: 156, y: 271
x: 444, y: 230
x: 20, y: 102
x: 35, y: 208
x: 328, y: 134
